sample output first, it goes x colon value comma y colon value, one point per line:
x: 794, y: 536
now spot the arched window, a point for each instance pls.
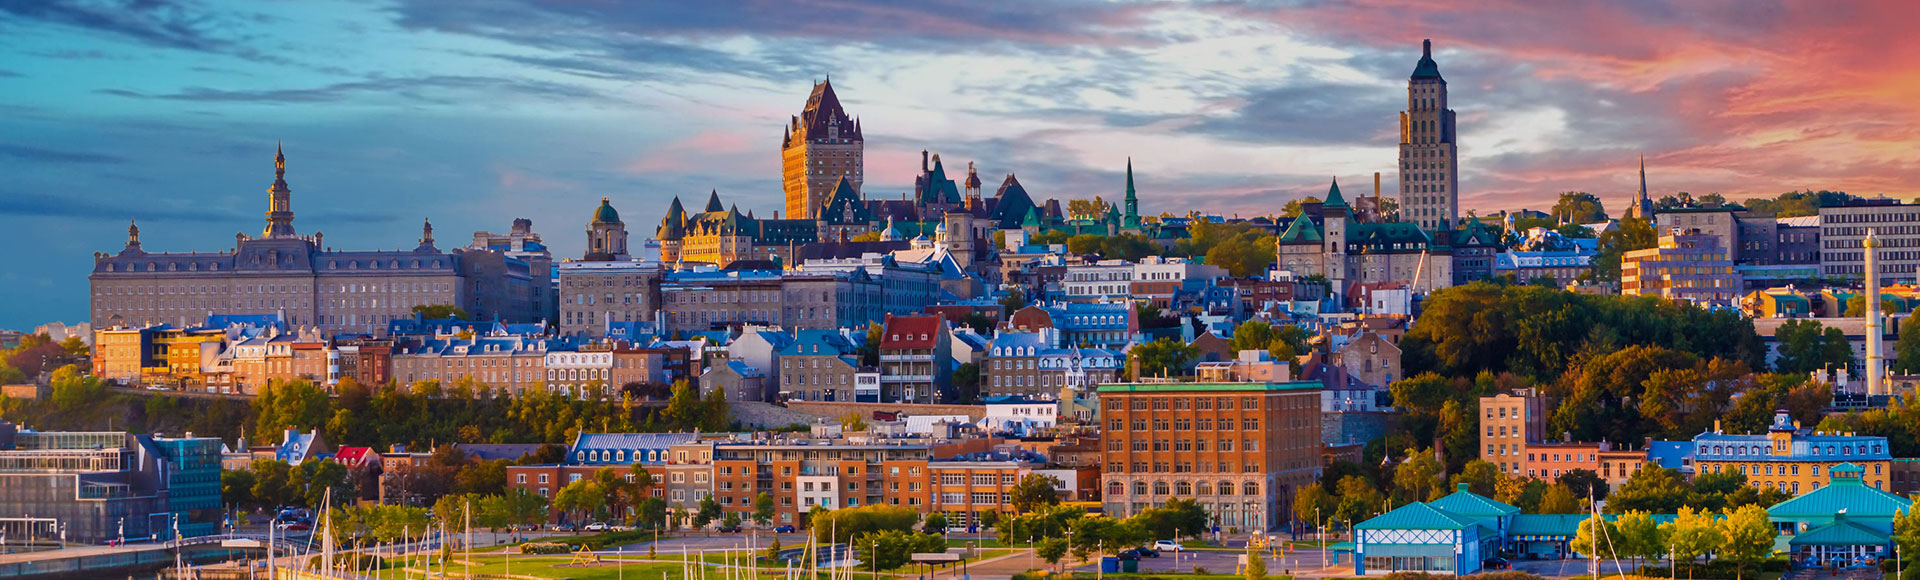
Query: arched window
x: 1160, y: 488
x: 1206, y: 488
x: 1182, y: 488
x: 1116, y: 488
x: 1139, y: 488
x: 1226, y: 488
x: 1250, y: 488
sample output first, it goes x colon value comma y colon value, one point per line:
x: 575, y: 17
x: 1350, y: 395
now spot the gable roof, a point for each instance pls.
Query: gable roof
x: 1468, y: 503
x: 1301, y: 229
x: 1417, y: 516
x: 1841, y: 532
x: 906, y: 332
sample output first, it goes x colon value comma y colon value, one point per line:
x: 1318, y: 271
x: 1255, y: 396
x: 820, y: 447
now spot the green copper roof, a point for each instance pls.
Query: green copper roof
x: 1546, y: 524
x: 1193, y: 387
x: 1334, y: 199
x: 1301, y: 229
x: 605, y: 214
x: 1845, y: 493
x: 1417, y: 516
x: 1841, y: 532
x: 1130, y: 196
x: 1468, y: 503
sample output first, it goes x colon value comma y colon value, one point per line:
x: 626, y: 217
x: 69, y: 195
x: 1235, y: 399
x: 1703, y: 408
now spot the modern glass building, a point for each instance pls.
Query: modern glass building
x: 92, y: 487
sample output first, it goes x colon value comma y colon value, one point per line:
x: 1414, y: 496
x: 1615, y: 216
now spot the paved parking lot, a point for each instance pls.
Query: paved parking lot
x: 1224, y: 562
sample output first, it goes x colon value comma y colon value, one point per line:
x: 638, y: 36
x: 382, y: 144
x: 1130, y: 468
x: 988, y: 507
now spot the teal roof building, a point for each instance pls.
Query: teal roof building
x: 1844, y: 523
x: 1450, y: 535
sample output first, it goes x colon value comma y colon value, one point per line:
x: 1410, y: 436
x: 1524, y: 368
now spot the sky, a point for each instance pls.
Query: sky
x: 474, y: 112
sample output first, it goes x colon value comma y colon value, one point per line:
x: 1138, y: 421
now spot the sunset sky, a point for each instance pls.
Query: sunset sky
x: 475, y: 112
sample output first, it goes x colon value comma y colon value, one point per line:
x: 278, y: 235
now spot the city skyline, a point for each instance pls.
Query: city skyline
x: 163, y: 113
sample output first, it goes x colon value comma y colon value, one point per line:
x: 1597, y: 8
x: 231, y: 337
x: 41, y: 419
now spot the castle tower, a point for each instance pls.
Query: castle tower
x: 1429, y: 160
x: 1876, y: 363
x: 606, y: 235
x: 673, y: 229
x: 973, y: 188
x: 820, y: 146
x: 956, y: 235
x: 280, y: 200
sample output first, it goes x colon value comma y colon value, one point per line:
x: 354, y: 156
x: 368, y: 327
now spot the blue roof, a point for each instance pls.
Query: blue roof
x: 246, y: 320
x: 1467, y: 503
x: 1730, y: 447
x: 817, y: 341
x: 1670, y: 454
x: 1020, y: 340
x: 1011, y: 400
x: 620, y: 448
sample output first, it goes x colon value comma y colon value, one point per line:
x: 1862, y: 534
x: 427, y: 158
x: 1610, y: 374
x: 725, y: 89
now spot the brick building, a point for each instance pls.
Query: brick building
x: 1240, y: 449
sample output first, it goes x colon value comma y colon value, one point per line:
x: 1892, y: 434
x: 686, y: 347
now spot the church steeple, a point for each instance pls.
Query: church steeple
x: 1642, y: 207
x: 280, y: 200
x: 1132, y: 202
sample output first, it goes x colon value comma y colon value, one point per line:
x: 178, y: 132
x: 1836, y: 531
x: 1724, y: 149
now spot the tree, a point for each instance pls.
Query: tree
x: 1033, y: 491
x: 989, y: 519
x: 1312, y: 504
x: 270, y: 482
x: 1087, y: 209
x: 1906, y: 350
x: 709, y: 511
x: 1691, y: 534
x: 439, y: 311
x: 1294, y: 207
x: 1633, y: 234
x: 842, y: 525
x: 1051, y: 550
x: 1256, y: 565
x: 652, y: 513
x: 72, y: 389
x: 1584, y: 482
x: 1243, y: 255
x: 236, y: 487
x: 1559, y: 500
x: 579, y: 500
x: 1805, y: 347
x: 1012, y: 302
x: 684, y: 409
x: 1640, y: 536
x: 1906, y: 533
x: 1178, y: 518
x: 966, y: 379
x: 1653, y: 489
x: 1162, y: 358
x: 763, y: 509
x: 1746, y: 537
x: 1579, y: 207
x: 1358, y: 499
x: 1594, y: 536
x: 1417, y: 477
x: 936, y: 523
x: 1481, y: 477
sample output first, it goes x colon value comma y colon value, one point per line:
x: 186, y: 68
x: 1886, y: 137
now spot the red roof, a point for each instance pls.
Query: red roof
x: 911, y: 332
x: 353, y: 455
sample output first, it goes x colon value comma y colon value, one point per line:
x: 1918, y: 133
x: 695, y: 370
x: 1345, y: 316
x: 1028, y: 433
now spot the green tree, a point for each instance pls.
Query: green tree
x: 1559, y: 500
x: 1640, y: 536
x: 1256, y: 565
x: 936, y: 523
x: 1033, y: 491
x: 1692, y: 534
x: 1633, y: 234
x: 1312, y: 503
x: 1804, y: 347
x: 966, y: 379
x: 579, y: 500
x: 72, y: 389
x: 236, y: 488
x: 763, y: 509
x: 1051, y: 550
x: 1294, y: 207
x: 1584, y: 482
x: 684, y: 409
x: 1906, y: 533
x: 989, y: 520
x: 1162, y: 358
x: 1418, y: 477
x: 1481, y: 476
x: 844, y: 524
x: 1747, y: 538
x: 270, y: 482
x: 1359, y: 499
x: 1906, y: 350
x: 1596, y: 535
x: 652, y: 513
x: 1653, y: 489
x: 1579, y: 207
x: 708, y: 512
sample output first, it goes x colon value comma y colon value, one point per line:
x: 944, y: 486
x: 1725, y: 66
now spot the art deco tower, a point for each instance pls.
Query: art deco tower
x: 1429, y: 161
x: 820, y: 145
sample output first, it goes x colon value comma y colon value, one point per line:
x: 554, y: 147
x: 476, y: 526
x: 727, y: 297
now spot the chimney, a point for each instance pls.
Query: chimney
x: 1716, y: 425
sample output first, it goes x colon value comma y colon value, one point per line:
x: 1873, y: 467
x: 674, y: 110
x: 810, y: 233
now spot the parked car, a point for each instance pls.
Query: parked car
x: 296, y: 527
x: 1148, y: 552
x: 1162, y: 545
x: 787, y: 529
x: 729, y: 529
x: 559, y: 528
x: 1496, y: 564
x: 1128, y: 555
x: 597, y: 527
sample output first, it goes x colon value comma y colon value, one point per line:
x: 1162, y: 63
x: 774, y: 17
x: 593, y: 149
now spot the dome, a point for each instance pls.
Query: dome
x: 605, y: 214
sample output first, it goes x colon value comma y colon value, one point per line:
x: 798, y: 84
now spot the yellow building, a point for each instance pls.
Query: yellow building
x: 1790, y: 459
x: 119, y: 354
x: 1686, y: 266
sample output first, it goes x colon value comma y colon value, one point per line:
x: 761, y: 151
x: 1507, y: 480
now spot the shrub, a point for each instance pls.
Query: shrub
x: 351, y: 561
x: 545, y: 548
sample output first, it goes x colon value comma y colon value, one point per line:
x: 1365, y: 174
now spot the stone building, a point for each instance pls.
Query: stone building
x: 302, y: 279
x: 819, y: 147
x: 1429, y: 156
x: 820, y: 365
x: 593, y: 294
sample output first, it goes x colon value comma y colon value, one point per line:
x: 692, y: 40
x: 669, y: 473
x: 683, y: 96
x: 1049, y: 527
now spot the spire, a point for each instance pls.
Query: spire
x: 426, y: 233
x: 1130, y: 178
x: 133, y: 234
x: 713, y: 202
x: 1426, y: 68
x: 1334, y: 200
x: 279, y: 199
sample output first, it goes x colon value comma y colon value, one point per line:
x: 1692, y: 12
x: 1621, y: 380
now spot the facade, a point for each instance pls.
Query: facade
x: 1429, y: 157
x: 1844, y: 228
x: 661, y: 454
x: 1686, y: 266
x: 821, y: 365
x: 916, y: 360
x: 1790, y: 459
x: 1348, y: 251
x: 94, y: 487
x: 1240, y: 449
x: 594, y: 294
x: 1508, y: 423
x: 700, y: 301
x: 509, y: 364
x: 821, y: 146
x: 303, y: 280
x: 1844, y: 523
